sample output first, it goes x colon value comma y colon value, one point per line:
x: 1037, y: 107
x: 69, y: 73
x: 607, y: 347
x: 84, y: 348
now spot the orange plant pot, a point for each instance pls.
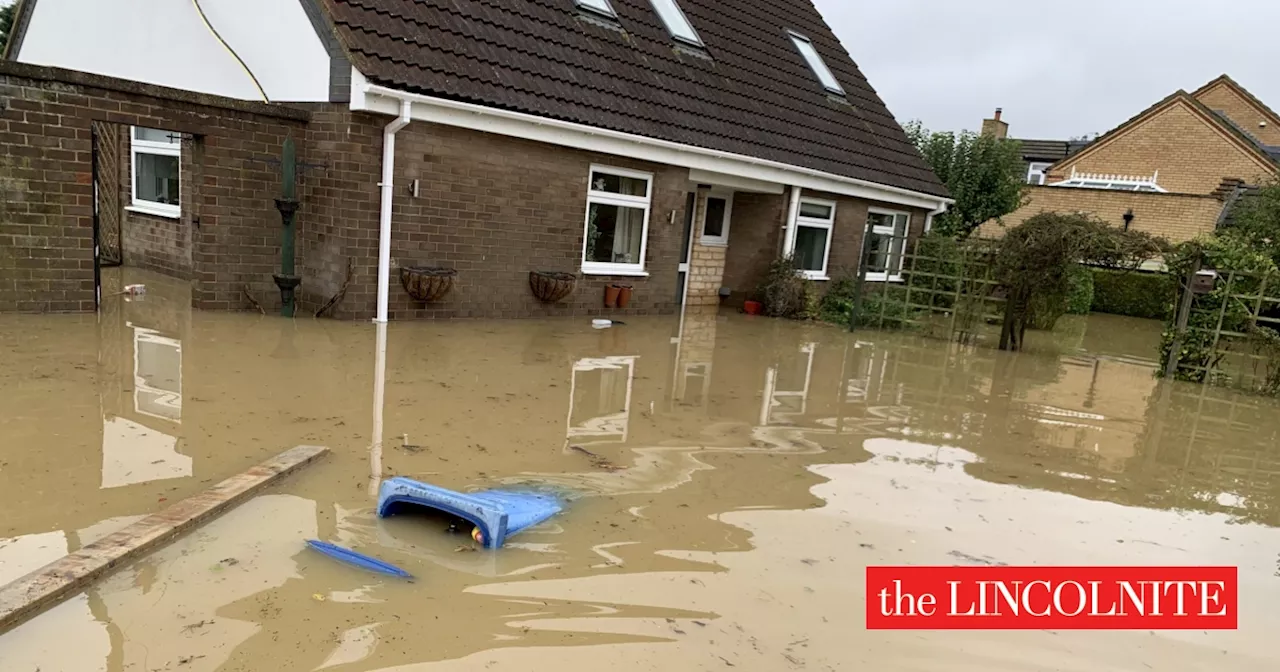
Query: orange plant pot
x: 611, y: 296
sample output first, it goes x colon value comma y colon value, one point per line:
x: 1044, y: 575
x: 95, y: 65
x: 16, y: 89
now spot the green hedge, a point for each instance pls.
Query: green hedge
x: 1136, y: 294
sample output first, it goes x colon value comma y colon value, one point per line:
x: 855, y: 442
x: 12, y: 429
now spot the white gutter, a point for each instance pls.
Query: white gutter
x: 374, y: 98
x: 384, y: 215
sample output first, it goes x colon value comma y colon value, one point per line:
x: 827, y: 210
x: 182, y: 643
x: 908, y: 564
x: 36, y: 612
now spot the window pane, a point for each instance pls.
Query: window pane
x: 900, y: 224
x: 815, y: 210
x: 156, y: 178
x: 816, y: 63
x: 811, y: 247
x: 881, y: 220
x: 617, y: 184
x: 877, y: 253
x: 614, y: 233
x: 715, y: 217
x: 601, y: 6
x: 675, y: 20
x: 156, y: 135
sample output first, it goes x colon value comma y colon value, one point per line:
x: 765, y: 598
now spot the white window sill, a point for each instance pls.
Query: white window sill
x: 156, y: 210
x: 882, y: 277
x: 713, y: 243
x: 630, y: 272
x: 816, y: 277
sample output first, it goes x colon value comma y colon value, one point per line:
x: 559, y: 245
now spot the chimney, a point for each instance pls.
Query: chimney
x: 994, y: 127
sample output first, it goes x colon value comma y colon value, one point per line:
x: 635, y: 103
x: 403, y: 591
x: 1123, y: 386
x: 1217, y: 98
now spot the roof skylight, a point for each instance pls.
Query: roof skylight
x: 598, y: 6
x: 677, y: 23
x: 816, y: 63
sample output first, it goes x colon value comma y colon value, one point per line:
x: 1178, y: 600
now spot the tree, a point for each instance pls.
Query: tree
x: 1255, y: 220
x: 6, y: 23
x: 986, y: 177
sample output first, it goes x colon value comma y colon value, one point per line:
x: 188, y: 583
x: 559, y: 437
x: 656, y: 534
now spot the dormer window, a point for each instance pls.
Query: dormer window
x: 599, y: 7
x: 816, y: 63
x: 675, y: 20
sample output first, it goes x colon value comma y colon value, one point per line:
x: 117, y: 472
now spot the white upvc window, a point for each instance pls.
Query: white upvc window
x: 598, y: 6
x: 715, y: 228
x: 616, y: 233
x: 156, y: 158
x: 885, y: 243
x: 812, y: 245
x: 676, y: 22
x: 1035, y: 172
x: 814, y: 59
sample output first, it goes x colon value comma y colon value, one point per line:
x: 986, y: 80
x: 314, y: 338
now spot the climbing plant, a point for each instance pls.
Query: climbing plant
x: 1226, y: 252
x: 1035, y: 262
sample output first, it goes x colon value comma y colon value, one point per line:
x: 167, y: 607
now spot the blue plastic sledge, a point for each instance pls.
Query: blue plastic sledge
x: 498, y: 513
x: 358, y: 559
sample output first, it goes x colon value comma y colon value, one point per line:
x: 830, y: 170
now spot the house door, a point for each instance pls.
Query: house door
x: 686, y: 249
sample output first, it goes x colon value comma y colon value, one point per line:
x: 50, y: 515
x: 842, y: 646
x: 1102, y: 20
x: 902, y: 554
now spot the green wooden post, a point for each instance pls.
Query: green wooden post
x: 287, y: 280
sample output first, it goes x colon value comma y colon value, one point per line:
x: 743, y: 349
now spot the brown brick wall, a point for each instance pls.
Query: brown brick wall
x: 46, y: 195
x: 160, y: 244
x: 496, y: 208
x: 1191, y: 154
x: 757, y: 233
x: 1222, y: 98
x: 1176, y: 217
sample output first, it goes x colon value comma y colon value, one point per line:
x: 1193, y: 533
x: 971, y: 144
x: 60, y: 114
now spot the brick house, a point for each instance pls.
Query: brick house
x: 1172, y: 170
x: 674, y: 145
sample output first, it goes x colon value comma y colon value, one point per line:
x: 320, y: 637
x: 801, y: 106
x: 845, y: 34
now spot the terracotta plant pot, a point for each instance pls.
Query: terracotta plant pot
x: 611, y: 296
x: 624, y: 295
x: 427, y: 283
x: 550, y: 286
x: 753, y: 307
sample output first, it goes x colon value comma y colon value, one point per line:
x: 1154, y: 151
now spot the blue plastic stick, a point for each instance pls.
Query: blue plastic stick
x: 358, y: 560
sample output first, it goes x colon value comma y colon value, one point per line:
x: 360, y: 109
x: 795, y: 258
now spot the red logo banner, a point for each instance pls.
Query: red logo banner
x: 1051, y: 598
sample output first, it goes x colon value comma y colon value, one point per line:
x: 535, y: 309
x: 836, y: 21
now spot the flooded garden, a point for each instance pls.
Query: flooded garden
x: 727, y: 479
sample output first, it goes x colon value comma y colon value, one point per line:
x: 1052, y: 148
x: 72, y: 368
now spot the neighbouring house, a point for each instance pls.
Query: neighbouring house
x: 678, y: 146
x: 1173, y: 170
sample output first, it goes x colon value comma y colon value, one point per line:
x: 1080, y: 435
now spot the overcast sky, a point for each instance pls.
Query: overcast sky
x: 1058, y: 69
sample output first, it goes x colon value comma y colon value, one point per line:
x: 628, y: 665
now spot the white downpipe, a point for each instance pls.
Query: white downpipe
x: 379, y: 402
x: 928, y: 219
x: 384, y: 215
x: 793, y: 212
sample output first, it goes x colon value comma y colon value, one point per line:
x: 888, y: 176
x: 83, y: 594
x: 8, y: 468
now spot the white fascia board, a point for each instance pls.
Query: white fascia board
x: 373, y: 98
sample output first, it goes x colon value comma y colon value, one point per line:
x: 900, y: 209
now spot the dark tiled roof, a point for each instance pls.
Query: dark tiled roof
x: 755, y: 95
x: 1044, y: 150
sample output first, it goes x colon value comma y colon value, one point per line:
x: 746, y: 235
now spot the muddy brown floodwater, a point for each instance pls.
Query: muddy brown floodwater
x: 746, y: 471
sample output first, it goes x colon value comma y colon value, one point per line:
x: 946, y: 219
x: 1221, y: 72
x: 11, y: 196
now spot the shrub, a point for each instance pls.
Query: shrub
x: 1134, y: 294
x: 837, y: 304
x: 785, y: 292
x: 1080, y: 291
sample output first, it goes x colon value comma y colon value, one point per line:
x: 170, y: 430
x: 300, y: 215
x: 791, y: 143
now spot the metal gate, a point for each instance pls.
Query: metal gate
x: 106, y: 191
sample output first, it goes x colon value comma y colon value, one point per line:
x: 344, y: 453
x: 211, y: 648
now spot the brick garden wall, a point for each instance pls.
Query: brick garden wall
x: 46, y: 192
x: 1177, y: 217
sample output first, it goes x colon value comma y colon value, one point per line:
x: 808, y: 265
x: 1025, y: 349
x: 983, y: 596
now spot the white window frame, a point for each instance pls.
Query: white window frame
x: 672, y: 9
x: 137, y: 147
x: 1036, y: 172
x: 602, y: 7
x: 820, y: 69
x: 722, y: 240
x: 815, y: 223
x: 622, y: 200
x: 894, y: 275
